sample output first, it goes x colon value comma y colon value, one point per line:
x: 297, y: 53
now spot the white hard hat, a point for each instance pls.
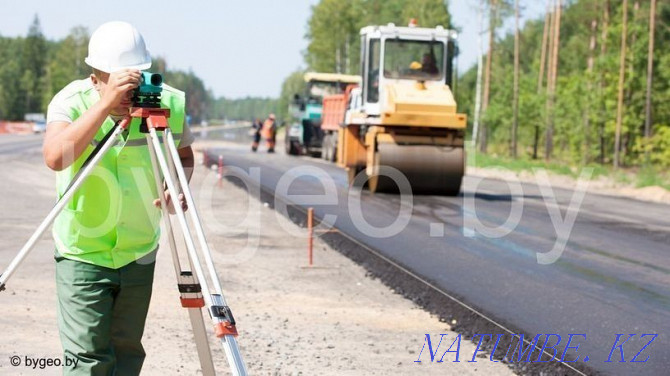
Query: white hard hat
x: 115, y: 46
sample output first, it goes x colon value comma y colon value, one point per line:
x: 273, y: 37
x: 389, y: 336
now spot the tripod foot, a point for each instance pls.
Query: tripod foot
x: 2, y: 285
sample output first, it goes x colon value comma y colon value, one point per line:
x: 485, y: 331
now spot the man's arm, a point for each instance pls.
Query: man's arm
x: 185, y: 150
x: 64, y: 142
x: 187, y: 160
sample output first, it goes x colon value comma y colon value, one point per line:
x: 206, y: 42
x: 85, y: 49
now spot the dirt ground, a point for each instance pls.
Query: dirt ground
x: 327, y: 320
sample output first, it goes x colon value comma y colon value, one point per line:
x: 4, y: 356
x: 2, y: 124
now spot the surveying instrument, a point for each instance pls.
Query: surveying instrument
x: 194, y: 289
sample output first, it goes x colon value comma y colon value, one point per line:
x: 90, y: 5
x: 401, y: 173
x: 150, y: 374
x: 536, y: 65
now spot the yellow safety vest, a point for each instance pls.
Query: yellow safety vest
x: 111, y: 220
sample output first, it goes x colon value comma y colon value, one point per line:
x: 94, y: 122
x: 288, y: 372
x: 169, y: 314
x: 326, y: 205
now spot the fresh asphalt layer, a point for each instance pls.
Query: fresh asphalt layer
x: 611, y: 279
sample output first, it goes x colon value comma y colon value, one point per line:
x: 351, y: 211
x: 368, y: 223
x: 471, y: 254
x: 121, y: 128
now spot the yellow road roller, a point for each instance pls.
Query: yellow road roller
x: 404, y: 114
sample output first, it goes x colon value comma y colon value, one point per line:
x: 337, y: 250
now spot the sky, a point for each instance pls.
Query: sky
x: 239, y: 48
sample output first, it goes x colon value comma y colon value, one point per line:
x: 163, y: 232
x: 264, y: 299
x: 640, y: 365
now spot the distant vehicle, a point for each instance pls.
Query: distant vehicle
x: 39, y: 127
x: 38, y: 120
x: 304, y: 135
x: 334, y: 117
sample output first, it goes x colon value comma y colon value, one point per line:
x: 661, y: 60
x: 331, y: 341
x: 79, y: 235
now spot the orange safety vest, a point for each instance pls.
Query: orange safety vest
x: 268, y: 128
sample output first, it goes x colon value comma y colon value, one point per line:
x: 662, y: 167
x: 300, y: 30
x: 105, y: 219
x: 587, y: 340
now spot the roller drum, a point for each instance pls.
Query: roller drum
x: 430, y: 169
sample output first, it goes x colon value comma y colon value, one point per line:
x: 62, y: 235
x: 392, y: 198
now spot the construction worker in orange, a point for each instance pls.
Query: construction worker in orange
x: 269, y: 131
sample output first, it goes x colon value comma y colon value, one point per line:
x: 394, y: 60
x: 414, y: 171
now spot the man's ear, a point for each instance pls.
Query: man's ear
x: 95, y: 80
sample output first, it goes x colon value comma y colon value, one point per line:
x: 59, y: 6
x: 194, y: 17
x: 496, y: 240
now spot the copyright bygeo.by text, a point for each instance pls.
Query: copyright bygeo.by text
x: 35, y: 362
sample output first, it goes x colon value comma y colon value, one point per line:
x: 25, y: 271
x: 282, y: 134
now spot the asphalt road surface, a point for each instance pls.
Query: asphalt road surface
x: 17, y: 144
x: 611, y: 279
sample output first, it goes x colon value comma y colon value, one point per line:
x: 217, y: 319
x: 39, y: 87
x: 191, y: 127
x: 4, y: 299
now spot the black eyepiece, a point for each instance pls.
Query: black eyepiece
x: 156, y: 79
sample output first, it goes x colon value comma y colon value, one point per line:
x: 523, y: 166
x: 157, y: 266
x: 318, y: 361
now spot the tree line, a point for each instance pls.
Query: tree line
x: 248, y: 108
x: 591, y: 85
x: 34, y: 69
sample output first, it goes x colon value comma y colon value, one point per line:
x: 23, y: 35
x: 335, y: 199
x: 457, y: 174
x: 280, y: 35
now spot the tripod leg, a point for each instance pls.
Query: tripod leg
x: 201, y: 342
x: 225, y: 325
x: 191, y: 296
x: 60, y: 204
x: 174, y: 157
x: 164, y: 209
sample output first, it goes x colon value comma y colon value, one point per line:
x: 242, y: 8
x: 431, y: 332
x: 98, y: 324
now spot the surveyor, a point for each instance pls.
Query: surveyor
x: 269, y: 132
x: 107, y: 236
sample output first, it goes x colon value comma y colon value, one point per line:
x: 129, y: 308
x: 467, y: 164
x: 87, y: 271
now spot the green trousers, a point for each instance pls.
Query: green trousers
x: 101, y: 315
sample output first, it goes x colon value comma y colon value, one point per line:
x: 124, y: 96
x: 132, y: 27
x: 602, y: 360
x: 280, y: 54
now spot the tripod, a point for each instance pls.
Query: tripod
x: 194, y: 288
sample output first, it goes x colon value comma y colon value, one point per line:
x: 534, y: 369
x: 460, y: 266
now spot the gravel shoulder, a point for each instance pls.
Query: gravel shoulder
x: 601, y: 185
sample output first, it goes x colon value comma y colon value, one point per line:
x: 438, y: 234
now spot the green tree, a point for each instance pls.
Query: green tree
x: 429, y: 13
x: 67, y: 62
x: 382, y: 12
x: 12, y: 98
x: 293, y: 84
x: 197, y: 96
x: 333, y: 36
x: 33, y: 60
x: 247, y: 109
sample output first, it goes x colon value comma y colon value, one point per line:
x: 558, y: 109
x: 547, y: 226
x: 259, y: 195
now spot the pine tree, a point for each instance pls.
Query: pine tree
x: 650, y: 73
x: 540, y: 76
x: 493, y: 9
x: 622, y: 74
x: 551, y: 85
x: 33, y: 61
x: 589, y: 87
x: 515, y: 122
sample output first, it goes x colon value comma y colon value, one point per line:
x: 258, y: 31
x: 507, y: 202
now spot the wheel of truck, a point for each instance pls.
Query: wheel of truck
x: 291, y: 147
x: 325, y: 148
x: 287, y: 145
x: 331, y: 151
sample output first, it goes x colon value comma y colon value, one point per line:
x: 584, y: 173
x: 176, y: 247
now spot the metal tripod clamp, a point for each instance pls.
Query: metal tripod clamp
x: 190, y: 291
x: 153, y: 118
x: 226, y: 322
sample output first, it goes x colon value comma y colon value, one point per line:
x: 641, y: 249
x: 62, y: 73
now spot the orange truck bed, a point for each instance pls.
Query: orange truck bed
x: 334, y: 108
x: 332, y: 114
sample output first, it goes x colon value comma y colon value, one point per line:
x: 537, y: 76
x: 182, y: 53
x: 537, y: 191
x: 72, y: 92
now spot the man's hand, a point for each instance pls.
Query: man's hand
x: 117, y: 90
x: 168, y: 200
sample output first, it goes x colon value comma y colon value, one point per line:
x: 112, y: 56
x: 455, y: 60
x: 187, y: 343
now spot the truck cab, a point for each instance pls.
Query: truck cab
x: 304, y: 135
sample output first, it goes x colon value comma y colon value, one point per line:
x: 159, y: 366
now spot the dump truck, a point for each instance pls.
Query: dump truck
x: 333, y: 117
x: 403, y: 115
x: 304, y: 135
